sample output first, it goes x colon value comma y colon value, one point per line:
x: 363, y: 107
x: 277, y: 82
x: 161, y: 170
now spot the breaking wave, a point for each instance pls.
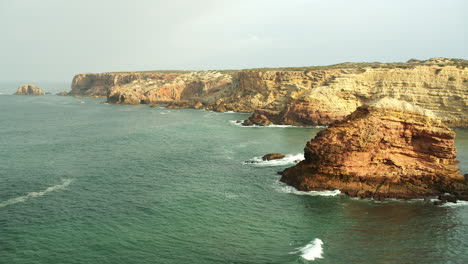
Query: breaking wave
x: 289, y: 189
x: 287, y: 160
x: 311, y: 251
x: 457, y: 204
x: 31, y: 195
x: 237, y: 123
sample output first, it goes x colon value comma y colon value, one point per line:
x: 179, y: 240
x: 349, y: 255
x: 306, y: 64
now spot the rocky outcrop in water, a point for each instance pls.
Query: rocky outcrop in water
x: 307, y: 96
x: 29, y: 89
x: 63, y: 93
x: 388, y: 149
x: 273, y: 156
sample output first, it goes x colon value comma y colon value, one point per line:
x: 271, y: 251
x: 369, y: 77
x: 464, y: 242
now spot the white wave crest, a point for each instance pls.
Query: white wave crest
x: 31, y: 195
x: 457, y: 204
x: 311, y: 251
x: 287, y: 160
x: 237, y: 123
x: 289, y: 189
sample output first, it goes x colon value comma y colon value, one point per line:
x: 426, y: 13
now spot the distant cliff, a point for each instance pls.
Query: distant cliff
x: 295, y: 96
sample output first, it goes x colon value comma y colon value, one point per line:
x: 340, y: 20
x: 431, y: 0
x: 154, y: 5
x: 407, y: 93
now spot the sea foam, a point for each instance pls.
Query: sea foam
x: 457, y: 204
x: 237, y: 123
x: 31, y: 195
x: 289, y: 189
x: 311, y: 251
x: 287, y: 160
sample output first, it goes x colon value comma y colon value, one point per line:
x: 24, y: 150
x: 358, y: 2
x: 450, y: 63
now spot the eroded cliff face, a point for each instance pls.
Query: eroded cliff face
x: 188, y: 88
x: 390, y: 149
x: 440, y: 88
x: 309, y: 96
x: 101, y: 84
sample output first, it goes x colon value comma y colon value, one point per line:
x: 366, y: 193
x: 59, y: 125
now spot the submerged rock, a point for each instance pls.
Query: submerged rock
x: 29, y: 89
x: 388, y: 149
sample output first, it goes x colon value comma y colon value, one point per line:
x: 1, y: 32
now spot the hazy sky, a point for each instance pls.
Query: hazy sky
x: 55, y: 39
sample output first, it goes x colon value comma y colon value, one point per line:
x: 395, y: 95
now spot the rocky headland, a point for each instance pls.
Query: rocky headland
x: 307, y: 96
x: 387, y: 149
x: 29, y: 89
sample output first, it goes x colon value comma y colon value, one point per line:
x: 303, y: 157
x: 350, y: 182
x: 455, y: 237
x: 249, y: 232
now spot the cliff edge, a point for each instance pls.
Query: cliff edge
x: 307, y: 96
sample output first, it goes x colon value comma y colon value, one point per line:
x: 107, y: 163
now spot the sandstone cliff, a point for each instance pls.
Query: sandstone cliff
x: 294, y: 96
x: 387, y: 149
x: 29, y: 89
x: 100, y: 84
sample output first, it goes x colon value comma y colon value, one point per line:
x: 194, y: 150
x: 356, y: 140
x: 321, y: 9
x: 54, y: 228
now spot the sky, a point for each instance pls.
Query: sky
x: 52, y: 40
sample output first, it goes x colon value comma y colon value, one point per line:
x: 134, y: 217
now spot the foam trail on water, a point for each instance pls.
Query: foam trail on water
x: 311, y: 251
x: 31, y: 195
x: 457, y: 204
x: 287, y: 160
x: 289, y: 189
x: 235, y: 122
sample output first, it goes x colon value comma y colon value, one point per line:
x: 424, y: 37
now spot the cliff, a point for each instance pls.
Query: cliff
x: 100, y: 84
x: 295, y: 96
x: 29, y: 89
x: 388, y: 149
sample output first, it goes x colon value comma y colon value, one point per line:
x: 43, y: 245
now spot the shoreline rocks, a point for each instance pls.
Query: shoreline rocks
x: 29, y: 89
x: 388, y: 149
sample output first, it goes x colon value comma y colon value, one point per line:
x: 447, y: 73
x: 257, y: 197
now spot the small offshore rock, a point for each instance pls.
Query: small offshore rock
x: 63, y: 93
x: 29, y: 89
x: 273, y: 156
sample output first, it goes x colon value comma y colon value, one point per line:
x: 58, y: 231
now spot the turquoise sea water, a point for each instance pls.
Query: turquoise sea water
x: 86, y: 182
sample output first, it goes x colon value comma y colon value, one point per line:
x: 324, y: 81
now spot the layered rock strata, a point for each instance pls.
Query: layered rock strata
x: 294, y: 96
x: 29, y: 89
x: 388, y: 149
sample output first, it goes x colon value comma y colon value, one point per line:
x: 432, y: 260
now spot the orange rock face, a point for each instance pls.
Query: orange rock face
x: 387, y: 150
x: 101, y: 84
x: 296, y: 113
x: 307, y: 96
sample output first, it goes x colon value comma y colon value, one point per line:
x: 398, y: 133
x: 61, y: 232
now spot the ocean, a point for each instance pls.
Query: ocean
x: 82, y: 181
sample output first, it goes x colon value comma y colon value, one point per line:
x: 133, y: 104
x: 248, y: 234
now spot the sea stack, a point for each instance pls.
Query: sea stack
x: 29, y: 89
x: 386, y: 149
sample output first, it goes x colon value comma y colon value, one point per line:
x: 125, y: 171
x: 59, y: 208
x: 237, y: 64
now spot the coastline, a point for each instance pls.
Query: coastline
x: 309, y: 96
